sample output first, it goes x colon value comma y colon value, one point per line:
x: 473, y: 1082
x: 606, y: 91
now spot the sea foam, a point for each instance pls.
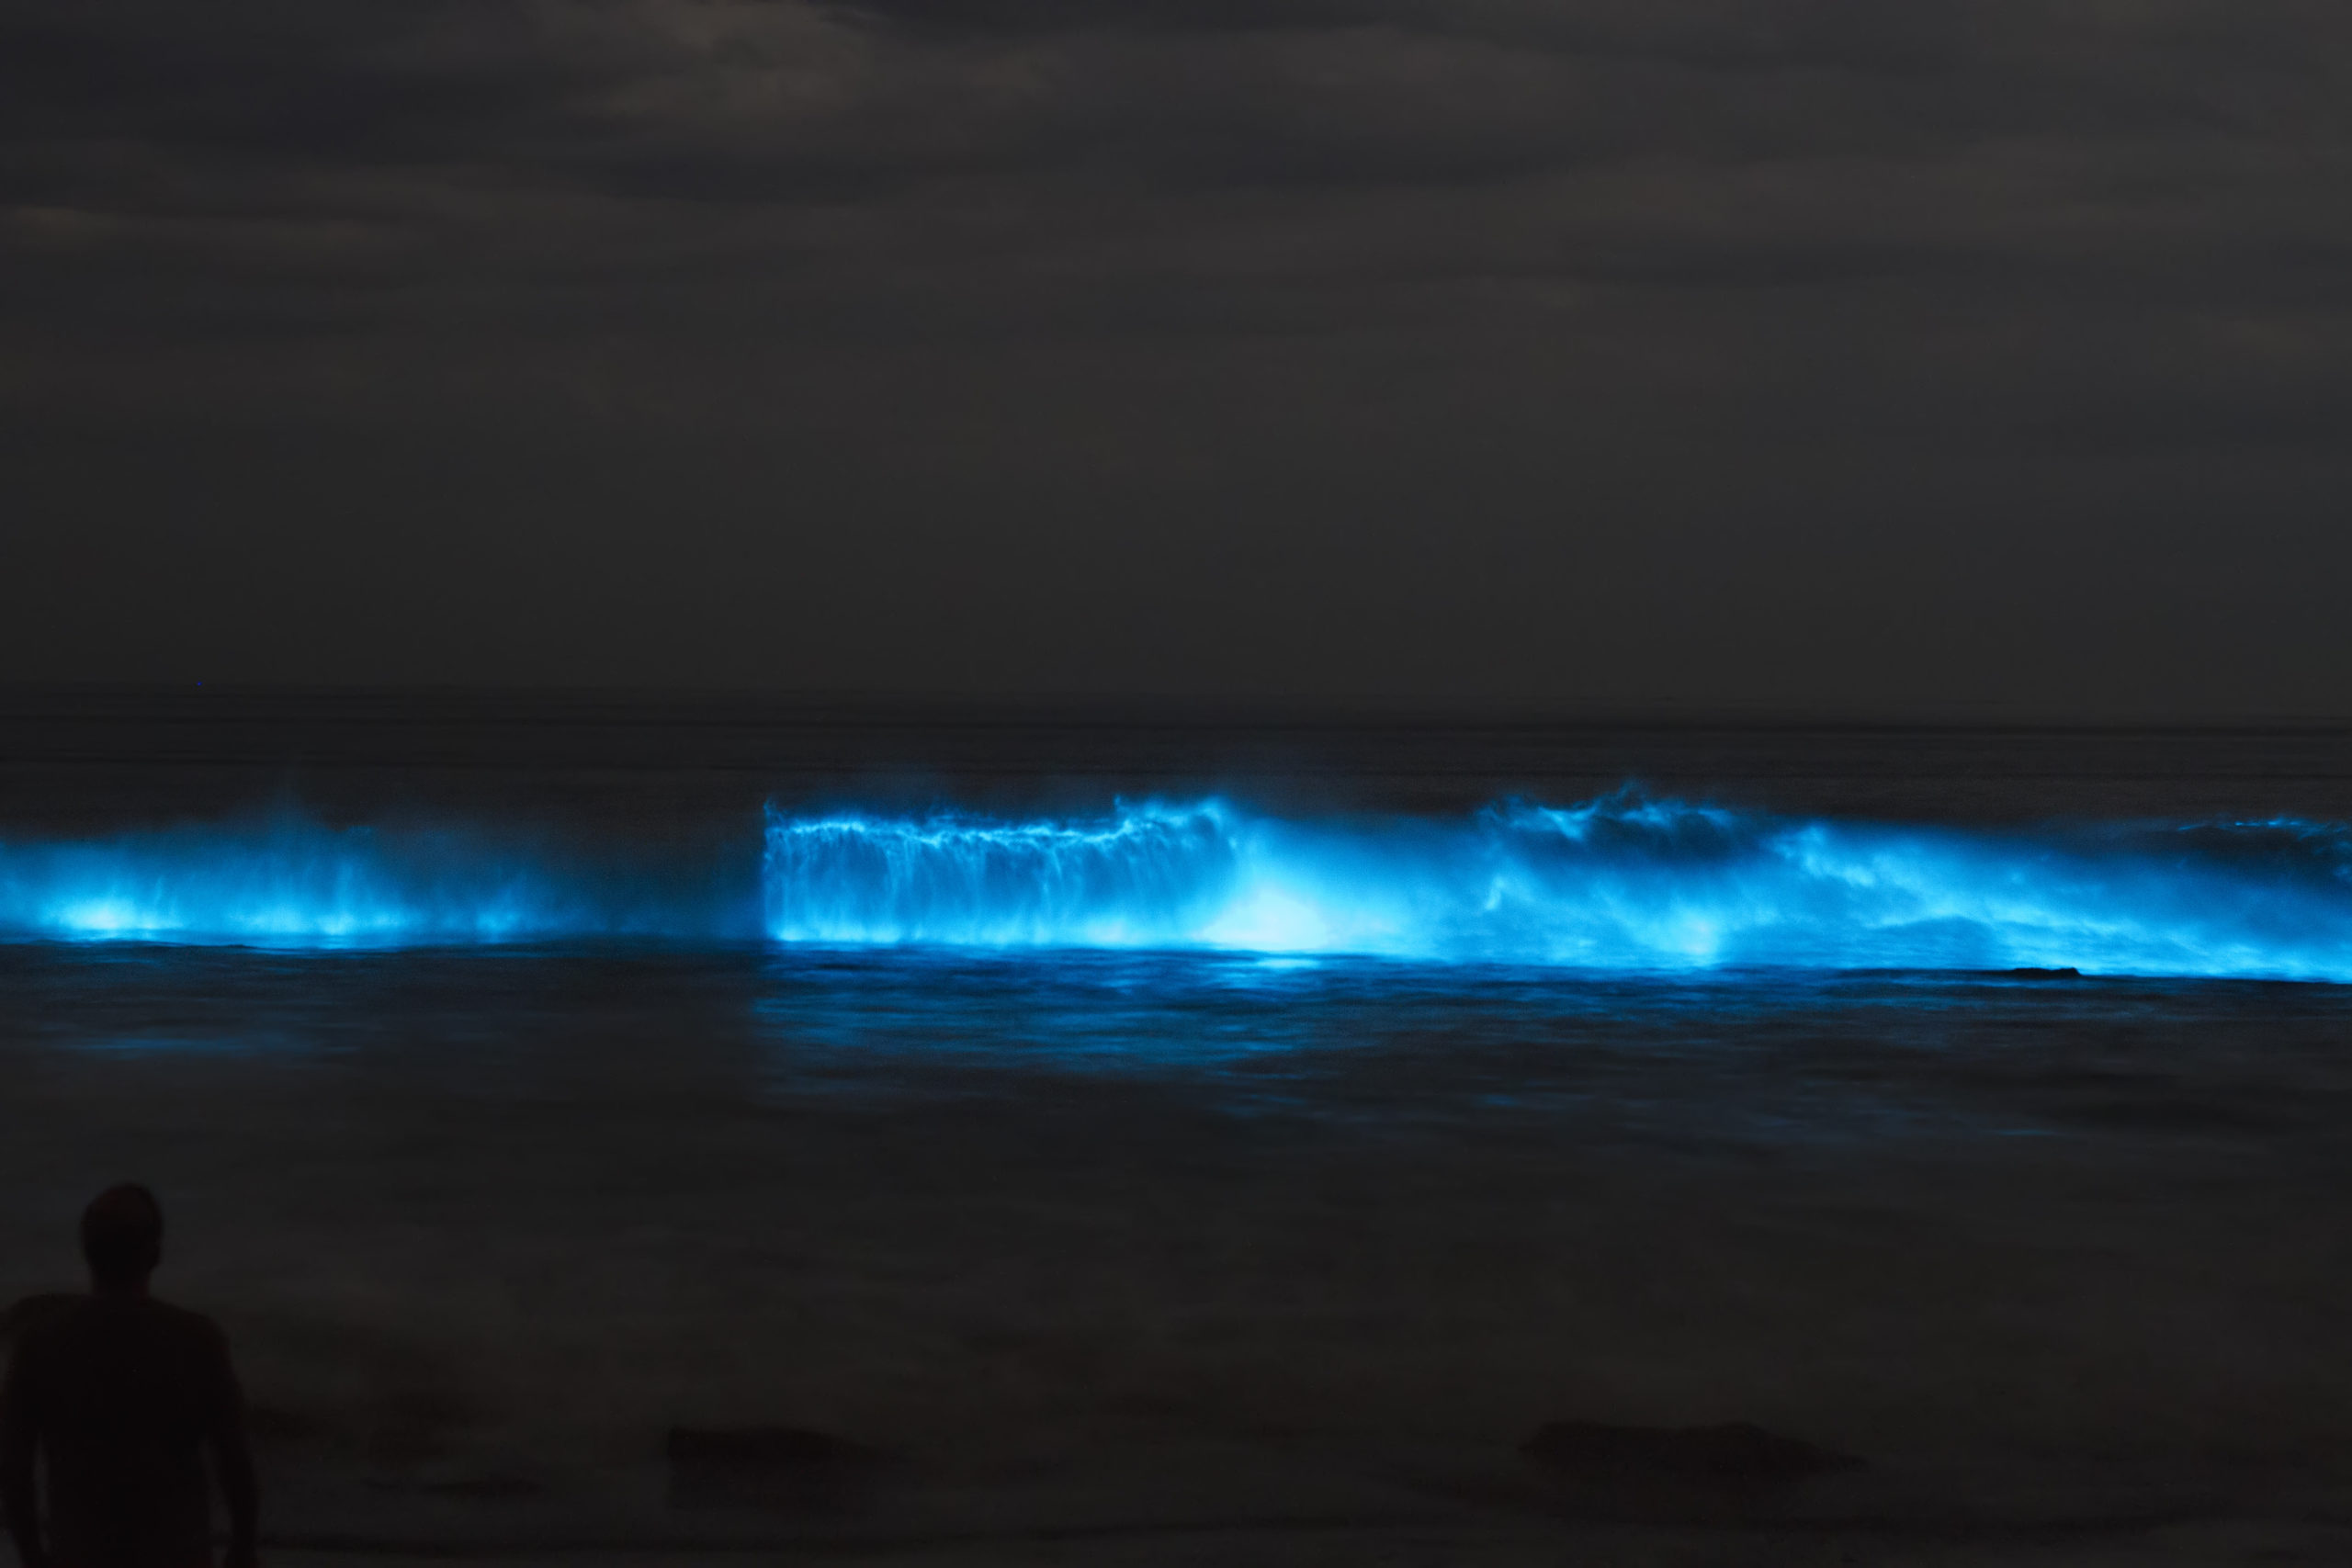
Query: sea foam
x: 1622, y: 883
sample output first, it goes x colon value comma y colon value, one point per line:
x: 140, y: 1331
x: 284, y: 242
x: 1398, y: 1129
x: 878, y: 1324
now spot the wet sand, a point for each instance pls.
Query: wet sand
x: 1173, y: 1343
x: 2068, y: 1271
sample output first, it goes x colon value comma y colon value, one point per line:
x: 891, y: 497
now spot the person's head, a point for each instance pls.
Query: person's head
x: 122, y: 1237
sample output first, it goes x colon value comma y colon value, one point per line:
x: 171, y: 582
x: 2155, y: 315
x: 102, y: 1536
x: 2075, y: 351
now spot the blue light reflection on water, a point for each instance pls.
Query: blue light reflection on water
x: 1710, y: 1061
x: 1619, y: 884
x: 1713, y: 1061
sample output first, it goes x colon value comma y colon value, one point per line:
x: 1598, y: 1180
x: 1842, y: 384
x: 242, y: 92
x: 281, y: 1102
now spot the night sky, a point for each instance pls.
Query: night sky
x: 1947, y: 357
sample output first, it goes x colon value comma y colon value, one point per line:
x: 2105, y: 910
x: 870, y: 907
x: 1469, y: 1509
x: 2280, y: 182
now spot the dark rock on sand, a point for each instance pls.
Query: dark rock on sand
x: 1675, y: 1474
x: 1735, y: 1453
x: 781, y: 1468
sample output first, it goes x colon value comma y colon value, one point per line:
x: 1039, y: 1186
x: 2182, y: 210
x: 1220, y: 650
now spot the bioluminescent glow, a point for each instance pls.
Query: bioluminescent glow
x: 1619, y: 883
x: 291, y: 882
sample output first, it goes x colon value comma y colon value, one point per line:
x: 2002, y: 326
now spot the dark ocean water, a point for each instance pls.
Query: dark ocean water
x: 524, y: 1077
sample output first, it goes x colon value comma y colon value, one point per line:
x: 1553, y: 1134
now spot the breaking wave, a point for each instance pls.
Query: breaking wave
x: 1624, y: 883
x: 292, y: 881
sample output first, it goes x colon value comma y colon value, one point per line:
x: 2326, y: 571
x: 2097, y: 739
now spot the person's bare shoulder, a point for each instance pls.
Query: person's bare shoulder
x: 181, y: 1318
x: 198, y: 1333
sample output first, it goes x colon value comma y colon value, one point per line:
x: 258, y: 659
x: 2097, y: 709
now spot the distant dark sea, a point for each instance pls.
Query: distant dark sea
x: 526, y: 1076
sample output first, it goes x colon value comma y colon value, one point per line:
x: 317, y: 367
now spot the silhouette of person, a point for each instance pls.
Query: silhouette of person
x: 119, y: 1395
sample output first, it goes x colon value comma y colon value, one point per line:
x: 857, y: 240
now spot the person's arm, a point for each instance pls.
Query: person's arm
x: 242, y: 1493
x: 20, y: 1438
x: 233, y: 1462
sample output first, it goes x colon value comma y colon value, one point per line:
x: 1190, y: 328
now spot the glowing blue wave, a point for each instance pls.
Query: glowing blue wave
x: 1621, y: 883
x: 1618, y: 884
x: 294, y: 883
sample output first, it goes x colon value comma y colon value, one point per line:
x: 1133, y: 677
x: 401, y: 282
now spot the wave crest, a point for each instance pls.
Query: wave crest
x: 1624, y: 881
x: 1147, y: 877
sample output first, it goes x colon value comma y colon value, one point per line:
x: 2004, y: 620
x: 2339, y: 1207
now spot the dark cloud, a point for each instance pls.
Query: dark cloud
x: 1303, y: 341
